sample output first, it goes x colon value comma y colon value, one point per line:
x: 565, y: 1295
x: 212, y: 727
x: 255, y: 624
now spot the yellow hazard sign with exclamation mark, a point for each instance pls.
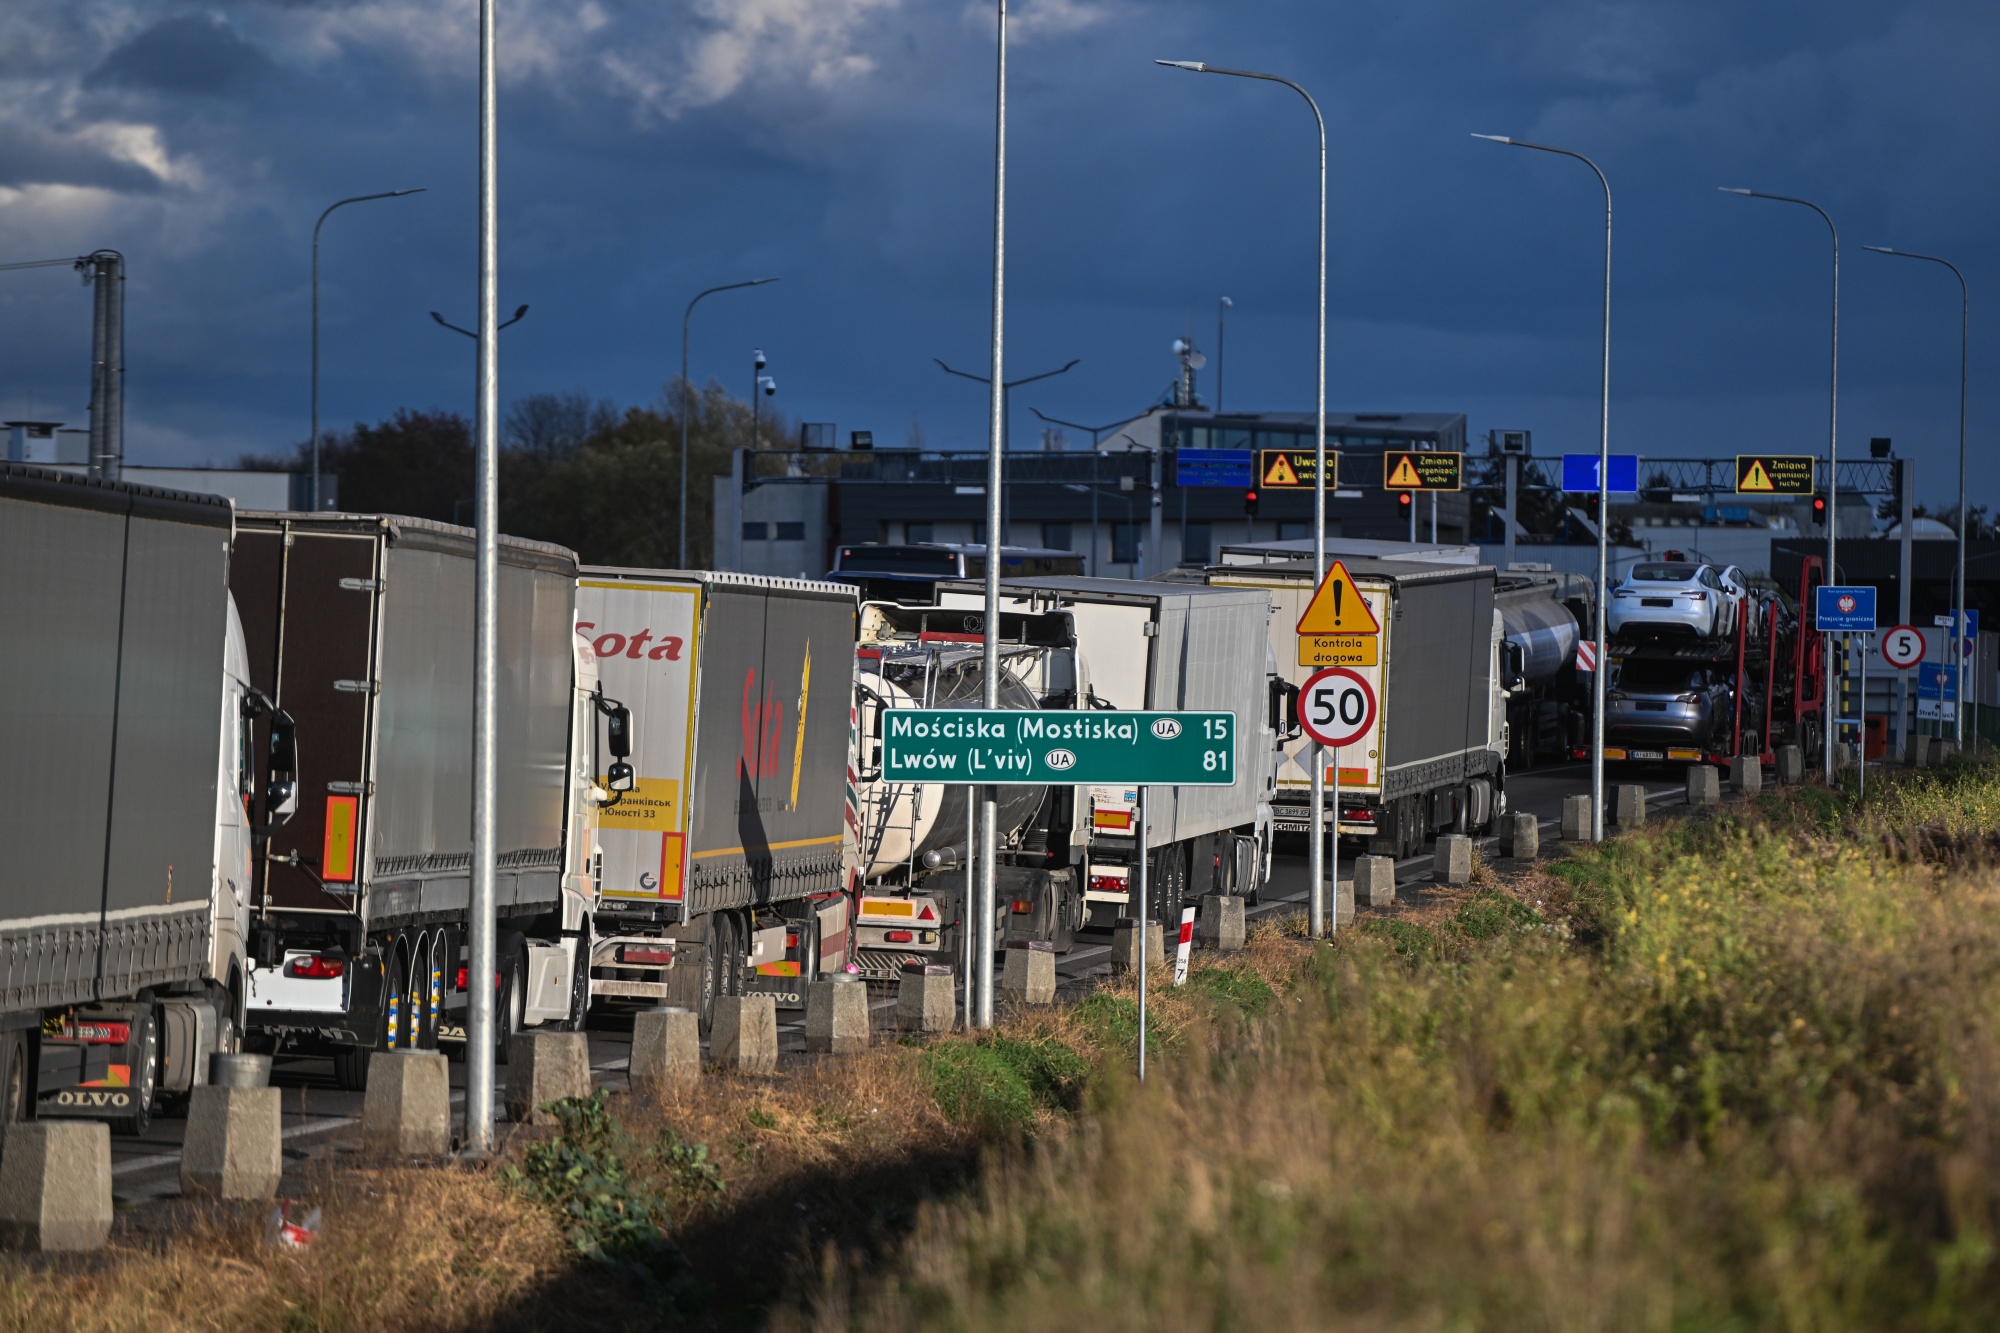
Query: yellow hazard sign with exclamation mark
x: 1338, y: 627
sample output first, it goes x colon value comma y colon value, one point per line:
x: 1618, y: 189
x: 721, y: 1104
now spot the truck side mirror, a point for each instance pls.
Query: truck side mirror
x: 621, y: 778
x: 1517, y: 668
x: 618, y: 732
x: 281, y: 797
x: 1284, y: 708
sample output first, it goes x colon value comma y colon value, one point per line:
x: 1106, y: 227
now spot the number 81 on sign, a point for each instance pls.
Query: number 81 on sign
x: 1336, y: 706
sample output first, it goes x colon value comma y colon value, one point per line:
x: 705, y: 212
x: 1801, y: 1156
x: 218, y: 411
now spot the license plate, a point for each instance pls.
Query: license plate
x: 1648, y: 754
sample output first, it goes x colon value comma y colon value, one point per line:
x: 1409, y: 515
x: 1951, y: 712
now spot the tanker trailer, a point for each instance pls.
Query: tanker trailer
x: 912, y: 839
x: 1541, y: 632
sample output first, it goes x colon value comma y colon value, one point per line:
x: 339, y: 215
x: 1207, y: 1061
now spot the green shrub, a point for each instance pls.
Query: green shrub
x: 1003, y: 1084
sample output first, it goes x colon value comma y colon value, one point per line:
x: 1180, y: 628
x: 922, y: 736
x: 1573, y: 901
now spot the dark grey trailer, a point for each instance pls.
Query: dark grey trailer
x: 122, y: 883
x: 360, y: 626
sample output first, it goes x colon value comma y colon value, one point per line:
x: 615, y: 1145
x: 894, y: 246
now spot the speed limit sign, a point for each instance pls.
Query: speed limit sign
x: 1903, y: 647
x: 1336, y: 706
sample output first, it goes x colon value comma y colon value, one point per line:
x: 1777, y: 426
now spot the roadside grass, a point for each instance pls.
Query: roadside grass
x: 1741, y: 1072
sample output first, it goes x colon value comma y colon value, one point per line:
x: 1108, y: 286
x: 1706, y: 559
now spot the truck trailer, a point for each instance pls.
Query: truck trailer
x: 361, y: 627
x: 725, y: 868
x: 1435, y: 760
x: 127, y: 781
x: 1167, y: 647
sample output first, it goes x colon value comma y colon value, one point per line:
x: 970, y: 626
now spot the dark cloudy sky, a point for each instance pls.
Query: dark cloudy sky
x: 653, y: 147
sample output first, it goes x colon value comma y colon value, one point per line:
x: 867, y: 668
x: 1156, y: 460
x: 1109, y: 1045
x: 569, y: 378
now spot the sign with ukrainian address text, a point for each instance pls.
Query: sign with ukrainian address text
x: 1008, y: 746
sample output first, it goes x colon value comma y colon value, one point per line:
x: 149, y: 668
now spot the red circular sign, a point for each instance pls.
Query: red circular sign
x: 1336, y: 706
x: 1903, y: 646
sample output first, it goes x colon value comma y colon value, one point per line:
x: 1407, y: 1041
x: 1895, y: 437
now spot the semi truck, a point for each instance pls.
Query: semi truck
x: 128, y: 774
x: 1435, y: 759
x: 1168, y: 647
x: 725, y: 869
x: 360, y: 627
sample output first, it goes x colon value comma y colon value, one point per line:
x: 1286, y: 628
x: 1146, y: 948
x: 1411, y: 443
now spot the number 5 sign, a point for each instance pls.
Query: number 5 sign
x: 1336, y: 707
x: 1903, y: 647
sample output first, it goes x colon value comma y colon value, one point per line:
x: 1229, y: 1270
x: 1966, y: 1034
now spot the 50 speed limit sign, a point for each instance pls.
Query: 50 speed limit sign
x: 1903, y: 647
x: 1336, y: 706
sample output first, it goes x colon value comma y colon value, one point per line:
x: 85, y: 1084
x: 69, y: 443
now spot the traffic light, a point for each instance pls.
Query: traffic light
x: 1405, y: 502
x: 1819, y: 510
x: 1249, y: 504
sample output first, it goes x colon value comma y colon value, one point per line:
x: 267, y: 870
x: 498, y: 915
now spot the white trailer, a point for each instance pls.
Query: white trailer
x: 1154, y: 646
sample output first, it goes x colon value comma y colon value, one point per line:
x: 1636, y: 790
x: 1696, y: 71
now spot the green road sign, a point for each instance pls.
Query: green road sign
x: 1017, y: 746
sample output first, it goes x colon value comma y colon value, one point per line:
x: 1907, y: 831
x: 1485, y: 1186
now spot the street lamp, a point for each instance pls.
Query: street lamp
x: 520, y: 313
x: 1603, y: 495
x: 357, y: 199
x: 687, y: 398
x: 1317, y: 908
x: 995, y: 519
x: 1095, y: 431
x: 1222, y: 307
x: 1832, y: 449
x: 1964, y: 344
x: 757, y: 381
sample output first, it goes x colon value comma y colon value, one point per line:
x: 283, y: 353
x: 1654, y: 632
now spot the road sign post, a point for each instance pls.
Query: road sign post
x: 1145, y: 936
x: 1337, y: 631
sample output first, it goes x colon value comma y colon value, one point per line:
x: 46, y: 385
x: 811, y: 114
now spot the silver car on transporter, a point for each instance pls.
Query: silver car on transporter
x: 1671, y: 599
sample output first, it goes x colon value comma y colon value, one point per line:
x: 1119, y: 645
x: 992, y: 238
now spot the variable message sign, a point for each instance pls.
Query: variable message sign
x: 1774, y: 474
x: 1417, y: 470
x: 1008, y: 746
x: 1292, y: 469
x: 1214, y: 467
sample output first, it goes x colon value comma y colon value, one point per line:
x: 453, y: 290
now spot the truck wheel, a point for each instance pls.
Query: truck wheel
x: 1063, y: 935
x: 1168, y: 885
x: 711, y: 970
x: 398, y: 1016
x: 736, y: 938
x: 511, y: 1003
x: 427, y: 992
x: 144, y: 1050
x: 14, y: 1106
x: 350, y: 1067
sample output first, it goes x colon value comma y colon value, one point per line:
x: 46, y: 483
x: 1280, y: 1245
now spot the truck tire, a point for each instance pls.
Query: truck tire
x: 14, y: 1089
x: 398, y: 1011
x: 143, y: 1049
x: 427, y: 991
x: 511, y: 1002
x: 350, y: 1067
x: 1166, y: 887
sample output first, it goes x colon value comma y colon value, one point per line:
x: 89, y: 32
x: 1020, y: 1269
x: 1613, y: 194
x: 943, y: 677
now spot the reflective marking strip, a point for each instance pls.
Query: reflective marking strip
x: 337, y: 855
x: 887, y: 907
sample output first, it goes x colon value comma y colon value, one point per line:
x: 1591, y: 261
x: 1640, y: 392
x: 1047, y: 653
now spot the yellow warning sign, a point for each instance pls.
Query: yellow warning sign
x: 1422, y: 470
x: 1774, y: 474
x: 1293, y: 469
x: 1280, y: 472
x: 1756, y: 479
x: 1338, y: 607
x: 1405, y: 473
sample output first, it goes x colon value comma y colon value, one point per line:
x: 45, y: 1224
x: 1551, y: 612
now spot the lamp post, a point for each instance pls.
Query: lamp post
x: 1603, y: 495
x: 1964, y: 346
x: 1222, y: 307
x: 687, y: 398
x: 1317, y: 853
x: 984, y: 897
x: 1095, y: 431
x: 357, y: 199
x: 483, y: 924
x: 995, y: 519
x: 1832, y: 450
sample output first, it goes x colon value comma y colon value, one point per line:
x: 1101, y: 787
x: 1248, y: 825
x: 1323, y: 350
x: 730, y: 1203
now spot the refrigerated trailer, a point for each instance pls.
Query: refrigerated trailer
x: 1435, y: 760
x: 725, y: 870
x: 126, y: 786
x: 1168, y: 647
x: 360, y: 626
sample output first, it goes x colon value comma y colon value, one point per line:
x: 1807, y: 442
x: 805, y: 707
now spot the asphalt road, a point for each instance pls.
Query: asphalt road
x: 322, y: 1120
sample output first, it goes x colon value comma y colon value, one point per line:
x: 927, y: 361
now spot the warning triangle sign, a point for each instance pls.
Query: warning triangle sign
x: 1756, y: 479
x: 1280, y: 472
x: 1338, y: 607
x: 1405, y: 474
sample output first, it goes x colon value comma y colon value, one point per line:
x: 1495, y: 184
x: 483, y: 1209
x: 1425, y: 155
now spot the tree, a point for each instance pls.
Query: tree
x: 415, y: 463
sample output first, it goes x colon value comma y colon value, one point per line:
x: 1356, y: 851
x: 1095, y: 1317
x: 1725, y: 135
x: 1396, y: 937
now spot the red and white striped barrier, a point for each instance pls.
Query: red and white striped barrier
x: 1185, y: 947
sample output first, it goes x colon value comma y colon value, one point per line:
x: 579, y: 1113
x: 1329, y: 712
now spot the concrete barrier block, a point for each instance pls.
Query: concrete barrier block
x: 55, y: 1185
x: 545, y: 1067
x: 925, y: 998
x: 837, y: 1015
x: 1629, y: 804
x: 1220, y: 926
x: 666, y: 1047
x: 1791, y: 765
x: 1029, y: 976
x: 1704, y: 785
x: 1125, y: 948
x: 1746, y: 774
x: 406, y: 1111
x: 1943, y: 751
x: 1343, y: 903
x: 233, y: 1148
x: 745, y: 1035
x: 1375, y: 880
x: 1521, y: 836
x: 1452, y: 863
x: 1576, y: 819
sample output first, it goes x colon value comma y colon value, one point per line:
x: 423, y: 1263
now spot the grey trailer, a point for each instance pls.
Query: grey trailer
x: 123, y: 739
x: 1169, y: 647
x: 360, y: 626
x: 726, y: 870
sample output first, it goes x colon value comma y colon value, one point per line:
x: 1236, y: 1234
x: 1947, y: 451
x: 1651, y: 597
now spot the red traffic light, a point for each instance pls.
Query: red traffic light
x: 1250, y: 503
x: 1405, y: 500
x: 1819, y: 508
